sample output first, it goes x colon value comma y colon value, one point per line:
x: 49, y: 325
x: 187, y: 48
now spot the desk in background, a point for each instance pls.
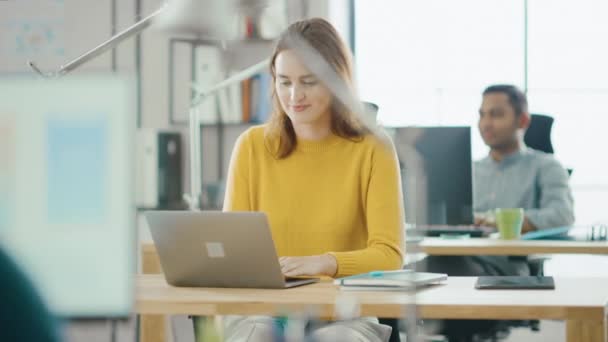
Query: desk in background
x: 581, y: 302
x: 487, y: 246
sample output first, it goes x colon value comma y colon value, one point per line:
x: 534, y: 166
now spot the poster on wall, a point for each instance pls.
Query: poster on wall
x: 31, y: 30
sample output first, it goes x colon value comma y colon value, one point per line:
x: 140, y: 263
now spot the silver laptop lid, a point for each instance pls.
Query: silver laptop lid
x: 215, y: 249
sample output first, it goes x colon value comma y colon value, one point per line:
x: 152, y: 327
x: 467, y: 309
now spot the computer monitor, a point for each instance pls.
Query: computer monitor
x: 436, y: 170
x: 66, y: 197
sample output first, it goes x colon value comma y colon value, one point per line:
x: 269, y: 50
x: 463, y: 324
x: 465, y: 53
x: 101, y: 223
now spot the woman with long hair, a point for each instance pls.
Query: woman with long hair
x: 328, y: 182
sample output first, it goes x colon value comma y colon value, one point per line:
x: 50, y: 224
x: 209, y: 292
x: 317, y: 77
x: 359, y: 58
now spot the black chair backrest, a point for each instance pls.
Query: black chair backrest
x: 538, y: 135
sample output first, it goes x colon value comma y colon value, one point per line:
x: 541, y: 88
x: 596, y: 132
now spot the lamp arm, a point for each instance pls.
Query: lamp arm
x: 111, y: 43
x: 236, y: 78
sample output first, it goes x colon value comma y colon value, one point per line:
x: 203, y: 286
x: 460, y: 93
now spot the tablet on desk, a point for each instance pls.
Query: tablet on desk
x: 515, y: 283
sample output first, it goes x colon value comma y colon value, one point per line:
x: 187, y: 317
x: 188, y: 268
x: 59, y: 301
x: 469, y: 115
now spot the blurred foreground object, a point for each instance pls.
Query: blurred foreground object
x: 66, y: 196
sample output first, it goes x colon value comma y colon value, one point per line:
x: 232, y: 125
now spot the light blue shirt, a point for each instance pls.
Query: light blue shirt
x: 527, y: 179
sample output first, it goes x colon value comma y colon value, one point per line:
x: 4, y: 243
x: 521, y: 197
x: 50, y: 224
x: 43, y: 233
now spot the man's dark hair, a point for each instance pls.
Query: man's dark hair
x: 517, y: 98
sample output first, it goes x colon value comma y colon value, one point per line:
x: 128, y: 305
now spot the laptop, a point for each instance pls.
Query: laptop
x: 218, y: 249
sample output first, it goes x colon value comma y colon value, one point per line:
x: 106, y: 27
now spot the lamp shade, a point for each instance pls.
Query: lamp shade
x: 211, y: 19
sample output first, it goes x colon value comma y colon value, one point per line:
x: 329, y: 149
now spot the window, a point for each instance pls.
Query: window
x: 427, y: 62
x: 568, y: 79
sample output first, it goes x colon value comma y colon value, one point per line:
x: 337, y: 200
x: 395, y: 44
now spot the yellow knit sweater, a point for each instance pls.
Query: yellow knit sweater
x: 334, y: 195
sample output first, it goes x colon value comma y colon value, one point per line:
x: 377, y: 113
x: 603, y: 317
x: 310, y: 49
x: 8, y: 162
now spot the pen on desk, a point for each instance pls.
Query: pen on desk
x: 372, y: 274
x: 381, y: 273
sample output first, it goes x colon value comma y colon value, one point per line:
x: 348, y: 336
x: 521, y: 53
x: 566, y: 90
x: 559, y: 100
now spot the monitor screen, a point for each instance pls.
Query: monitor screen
x: 66, y: 207
x: 436, y: 173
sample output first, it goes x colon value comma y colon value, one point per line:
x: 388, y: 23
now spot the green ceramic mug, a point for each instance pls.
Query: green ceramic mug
x: 509, y: 222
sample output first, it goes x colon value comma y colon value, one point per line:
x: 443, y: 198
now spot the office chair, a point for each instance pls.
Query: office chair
x: 538, y: 135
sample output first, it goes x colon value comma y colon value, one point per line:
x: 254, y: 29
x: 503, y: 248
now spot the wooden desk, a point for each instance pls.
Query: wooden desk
x: 153, y: 327
x: 472, y: 246
x: 484, y: 246
x: 581, y: 302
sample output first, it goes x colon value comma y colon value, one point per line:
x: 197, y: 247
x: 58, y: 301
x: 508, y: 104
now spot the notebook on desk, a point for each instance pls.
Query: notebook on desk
x: 396, y: 280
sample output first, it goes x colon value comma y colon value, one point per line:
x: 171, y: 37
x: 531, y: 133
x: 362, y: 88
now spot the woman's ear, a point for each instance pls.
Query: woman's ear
x: 524, y: 120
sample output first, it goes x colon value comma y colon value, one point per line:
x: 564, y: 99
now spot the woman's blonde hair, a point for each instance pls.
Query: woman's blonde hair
x: 323, y: 39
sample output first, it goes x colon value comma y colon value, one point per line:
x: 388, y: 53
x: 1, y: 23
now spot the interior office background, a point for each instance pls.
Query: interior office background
x: 424, y: 62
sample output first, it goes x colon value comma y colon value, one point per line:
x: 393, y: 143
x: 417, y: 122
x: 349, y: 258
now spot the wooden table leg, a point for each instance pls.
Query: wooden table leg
x: 152, y: 327
x: 586, y: 331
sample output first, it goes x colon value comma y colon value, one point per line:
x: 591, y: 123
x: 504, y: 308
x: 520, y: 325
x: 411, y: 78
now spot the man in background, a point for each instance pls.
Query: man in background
x: 513, y: 175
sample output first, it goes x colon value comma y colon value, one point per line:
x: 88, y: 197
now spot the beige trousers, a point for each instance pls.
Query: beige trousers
x: 263, y: 328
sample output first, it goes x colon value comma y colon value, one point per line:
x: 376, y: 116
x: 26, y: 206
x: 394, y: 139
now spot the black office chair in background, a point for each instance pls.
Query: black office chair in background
x: 538, y: 135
